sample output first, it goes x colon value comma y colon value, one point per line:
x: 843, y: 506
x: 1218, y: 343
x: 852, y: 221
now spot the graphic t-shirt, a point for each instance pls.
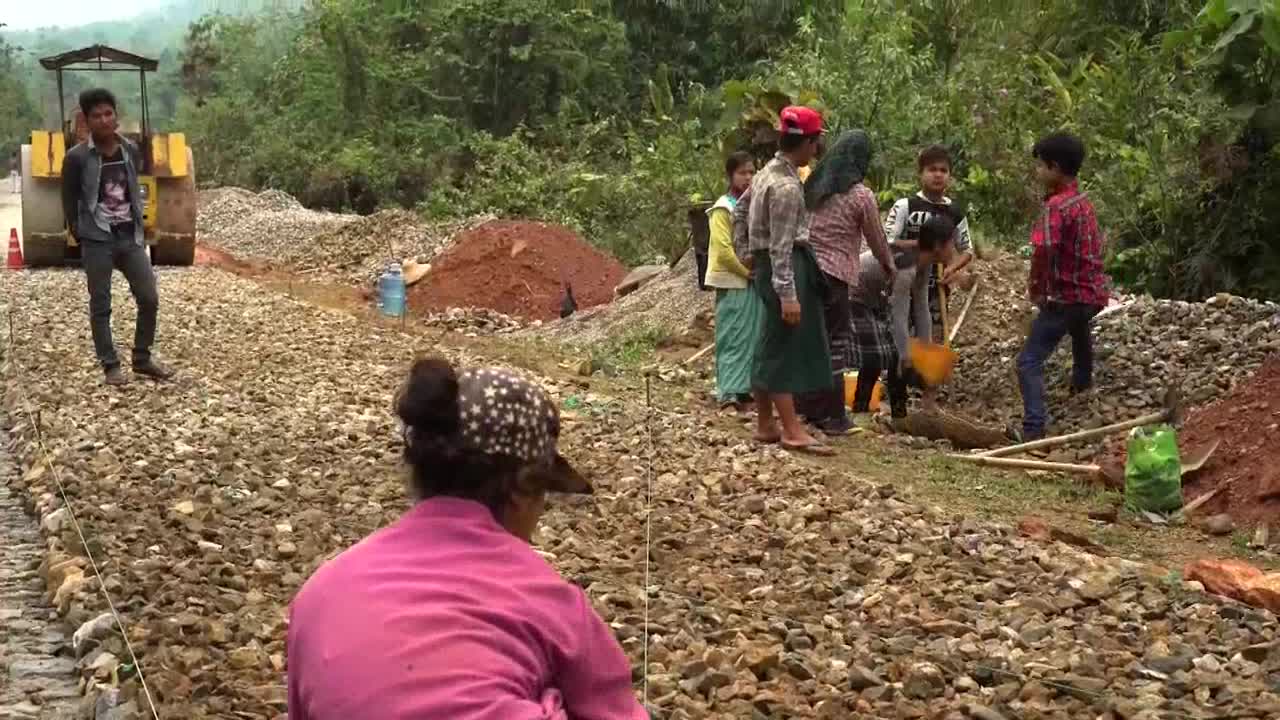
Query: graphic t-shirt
x: 113, y: 189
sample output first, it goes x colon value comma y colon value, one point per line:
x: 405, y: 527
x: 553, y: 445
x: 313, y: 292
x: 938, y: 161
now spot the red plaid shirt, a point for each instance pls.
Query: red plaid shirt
x: 1066, y: 259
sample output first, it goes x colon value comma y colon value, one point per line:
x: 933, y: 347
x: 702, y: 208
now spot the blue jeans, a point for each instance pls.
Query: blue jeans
x: 1054, y: 322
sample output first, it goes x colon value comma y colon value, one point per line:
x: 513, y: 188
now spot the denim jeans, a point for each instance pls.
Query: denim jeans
x: 100, y: 260
x: 1054, y: 322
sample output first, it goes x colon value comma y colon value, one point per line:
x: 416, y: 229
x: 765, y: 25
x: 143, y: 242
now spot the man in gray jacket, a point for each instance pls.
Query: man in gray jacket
x: 102, y: 202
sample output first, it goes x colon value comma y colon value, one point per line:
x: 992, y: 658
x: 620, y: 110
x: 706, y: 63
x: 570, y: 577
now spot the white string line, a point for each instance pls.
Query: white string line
x: 648, y: 509
x: 47, y: 458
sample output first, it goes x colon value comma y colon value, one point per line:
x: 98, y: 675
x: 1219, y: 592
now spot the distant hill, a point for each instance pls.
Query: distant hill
x: 157, y: 34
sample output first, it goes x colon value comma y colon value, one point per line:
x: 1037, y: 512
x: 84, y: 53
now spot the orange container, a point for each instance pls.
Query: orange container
x: 851, y: 388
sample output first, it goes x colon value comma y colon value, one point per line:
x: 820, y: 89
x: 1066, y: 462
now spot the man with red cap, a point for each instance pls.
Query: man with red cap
x: 793, y: 356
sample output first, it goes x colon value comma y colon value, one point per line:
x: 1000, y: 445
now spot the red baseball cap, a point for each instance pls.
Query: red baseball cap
x: 799, y: 120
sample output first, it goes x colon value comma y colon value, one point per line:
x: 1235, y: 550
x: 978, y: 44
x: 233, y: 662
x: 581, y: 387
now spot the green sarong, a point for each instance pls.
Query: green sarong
x: 792, y: 358
x: 738, y: 318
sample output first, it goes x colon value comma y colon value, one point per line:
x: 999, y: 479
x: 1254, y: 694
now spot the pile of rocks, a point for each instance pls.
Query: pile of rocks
x: 270, y: 225
x: 474, y: 321
x: 776, y: 588
x: 359, y: 251
x: 1143, y: 347
x: 273, y: 226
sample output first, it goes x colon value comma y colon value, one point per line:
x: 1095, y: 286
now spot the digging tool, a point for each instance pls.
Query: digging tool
x: 1111, y: 476
x: 964, y: 311
x: 1172, y: 413
x: 1194, y: 461
x: 1195, y: 504
x: 700, y: 354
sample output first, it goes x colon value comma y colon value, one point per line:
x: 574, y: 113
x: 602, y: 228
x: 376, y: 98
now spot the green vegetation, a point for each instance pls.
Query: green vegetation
x: 609, y: 116
x: 628, y: 351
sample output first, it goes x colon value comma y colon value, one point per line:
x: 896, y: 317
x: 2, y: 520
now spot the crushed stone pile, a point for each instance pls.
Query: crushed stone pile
x: 360, y: 251
x: 1142, y: 347
x: 778, y: 588
x: 274, y: 226
x: 670, y: 301
x: 517, y: 268
x: 270, y: 225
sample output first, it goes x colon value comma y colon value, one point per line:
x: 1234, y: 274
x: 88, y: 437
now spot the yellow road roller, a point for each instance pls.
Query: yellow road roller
x: 167, y: 177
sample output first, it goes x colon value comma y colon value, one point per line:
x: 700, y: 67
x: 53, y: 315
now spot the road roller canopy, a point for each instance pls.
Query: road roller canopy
x: 101, y: 58
x: 98, y: 58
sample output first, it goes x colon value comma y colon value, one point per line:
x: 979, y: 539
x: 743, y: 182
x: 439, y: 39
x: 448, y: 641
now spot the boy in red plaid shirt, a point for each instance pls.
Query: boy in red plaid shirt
x: 1067, y: 283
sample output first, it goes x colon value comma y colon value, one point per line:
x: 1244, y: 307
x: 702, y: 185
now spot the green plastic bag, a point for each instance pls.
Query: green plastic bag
x: 1153, y: 470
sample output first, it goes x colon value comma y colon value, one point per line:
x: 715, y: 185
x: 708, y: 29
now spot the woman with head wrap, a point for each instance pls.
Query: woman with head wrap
x: 448, y: 612
x: 845, y: 215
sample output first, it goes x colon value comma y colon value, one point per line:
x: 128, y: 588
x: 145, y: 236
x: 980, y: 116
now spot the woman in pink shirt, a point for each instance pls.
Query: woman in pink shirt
x: 449, y: 614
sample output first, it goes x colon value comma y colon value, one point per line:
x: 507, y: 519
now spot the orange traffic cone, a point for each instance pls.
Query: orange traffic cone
x: 14, y: 262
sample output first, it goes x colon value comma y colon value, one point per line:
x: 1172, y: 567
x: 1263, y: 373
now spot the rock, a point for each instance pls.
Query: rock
x: 979, y: 712
x: 637, y: 278
x: 760, y: 660
x: 861, y: 678
x: 924, y: 681
x: 90, y: 633
x: 55, y: 521
x: 1238, y: 580
x: 796, y: 668
x: 1220, y: 524
x: 186, y: 507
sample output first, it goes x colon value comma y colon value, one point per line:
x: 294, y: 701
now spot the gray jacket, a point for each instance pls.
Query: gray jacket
x: 81, y: 172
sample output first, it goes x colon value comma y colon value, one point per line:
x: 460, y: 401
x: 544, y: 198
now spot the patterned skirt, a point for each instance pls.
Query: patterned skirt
x: 872, y: 347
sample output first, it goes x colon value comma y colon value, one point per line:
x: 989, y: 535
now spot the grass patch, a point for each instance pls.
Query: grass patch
x: 634, y: 347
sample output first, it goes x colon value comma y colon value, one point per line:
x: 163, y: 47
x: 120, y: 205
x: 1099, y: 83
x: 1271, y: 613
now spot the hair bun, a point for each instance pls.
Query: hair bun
x: 428, y: 402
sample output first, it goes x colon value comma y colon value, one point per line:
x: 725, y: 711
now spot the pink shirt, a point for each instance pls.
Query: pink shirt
x: 445, y: 614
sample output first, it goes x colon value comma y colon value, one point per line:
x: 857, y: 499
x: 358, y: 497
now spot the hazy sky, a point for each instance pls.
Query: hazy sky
x: 26, y: 14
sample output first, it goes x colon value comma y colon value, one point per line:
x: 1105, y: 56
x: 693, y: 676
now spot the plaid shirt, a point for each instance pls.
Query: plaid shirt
x: 1066, y: 259
x: 778, y: 220
x: 838, y: 229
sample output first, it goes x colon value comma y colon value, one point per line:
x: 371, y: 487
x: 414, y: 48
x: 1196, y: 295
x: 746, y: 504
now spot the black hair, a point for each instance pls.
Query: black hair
x: 735, y: 161
x: 936, y: 232
x: 429, y: 408
x: 932, y: 155
x: 93, y: 97
x: 1062, y: 150
x: 788, y: 142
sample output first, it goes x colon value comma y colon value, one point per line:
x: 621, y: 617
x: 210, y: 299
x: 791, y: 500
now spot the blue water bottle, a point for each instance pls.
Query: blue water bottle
x: 391, y: 291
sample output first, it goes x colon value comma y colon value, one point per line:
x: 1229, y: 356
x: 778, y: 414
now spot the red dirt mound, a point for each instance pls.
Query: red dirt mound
x: 1248, y: 422
x: 517, y: 268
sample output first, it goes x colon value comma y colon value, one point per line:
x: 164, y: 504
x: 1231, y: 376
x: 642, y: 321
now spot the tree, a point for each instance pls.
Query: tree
x: 18, y: 115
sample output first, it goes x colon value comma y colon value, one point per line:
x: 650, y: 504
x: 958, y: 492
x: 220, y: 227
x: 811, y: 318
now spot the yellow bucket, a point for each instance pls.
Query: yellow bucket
x: 934, y: 363
x: 851, y: 389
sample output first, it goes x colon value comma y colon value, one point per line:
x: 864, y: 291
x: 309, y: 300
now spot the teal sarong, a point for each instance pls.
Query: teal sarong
x: 738, y: 317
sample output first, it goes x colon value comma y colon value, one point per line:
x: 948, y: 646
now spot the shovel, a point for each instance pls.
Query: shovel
x: 931, y: 361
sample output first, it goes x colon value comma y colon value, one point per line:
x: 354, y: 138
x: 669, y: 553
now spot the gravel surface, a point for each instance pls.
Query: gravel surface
x: 778, y: 588
x: 1202, y: 349
x: 272, y: 225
